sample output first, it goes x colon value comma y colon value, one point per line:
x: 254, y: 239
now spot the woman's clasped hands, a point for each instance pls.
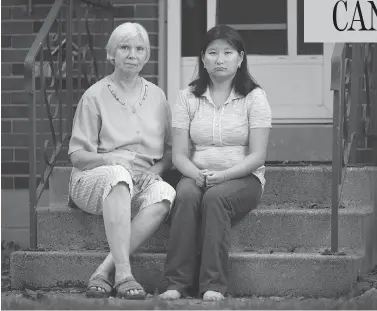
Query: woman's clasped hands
x: 207, y: 178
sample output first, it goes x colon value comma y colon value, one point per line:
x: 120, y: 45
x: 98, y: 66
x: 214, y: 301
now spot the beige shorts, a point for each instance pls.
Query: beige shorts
x: 88, y: 189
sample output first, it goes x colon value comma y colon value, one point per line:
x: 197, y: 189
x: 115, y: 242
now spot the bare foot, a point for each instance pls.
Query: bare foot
x: 171, y: 294
x: 210, y: 295
x: 97, y: 289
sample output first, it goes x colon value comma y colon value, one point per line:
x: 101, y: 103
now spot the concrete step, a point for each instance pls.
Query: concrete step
x: 278, y: 274
x: 284, y: 227
x: 299, y: 184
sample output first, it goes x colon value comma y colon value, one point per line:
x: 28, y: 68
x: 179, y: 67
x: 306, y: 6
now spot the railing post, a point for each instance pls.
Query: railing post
x: 69, y: 63
x: 29, y: 75
x: 336, y: 165
x: 354, y: 114
x: 338, y: 86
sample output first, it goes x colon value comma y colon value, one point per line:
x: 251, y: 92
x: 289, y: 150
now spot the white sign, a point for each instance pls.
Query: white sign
x: 340, y: 21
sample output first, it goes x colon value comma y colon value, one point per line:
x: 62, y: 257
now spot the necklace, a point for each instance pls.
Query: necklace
x: 117, y: 98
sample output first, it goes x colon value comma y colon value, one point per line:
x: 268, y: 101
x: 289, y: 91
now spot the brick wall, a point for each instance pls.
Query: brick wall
x: 18, y: 33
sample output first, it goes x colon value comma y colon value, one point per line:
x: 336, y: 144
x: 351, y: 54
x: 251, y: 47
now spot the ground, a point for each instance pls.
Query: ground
x: 364, y: 296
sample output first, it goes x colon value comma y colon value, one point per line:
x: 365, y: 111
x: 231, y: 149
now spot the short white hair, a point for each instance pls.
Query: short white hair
x: 123, y: 33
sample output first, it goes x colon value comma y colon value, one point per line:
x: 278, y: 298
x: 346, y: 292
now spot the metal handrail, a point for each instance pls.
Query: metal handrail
x: 30, y: 88
x: 349, y: 80
x: 57, y: 75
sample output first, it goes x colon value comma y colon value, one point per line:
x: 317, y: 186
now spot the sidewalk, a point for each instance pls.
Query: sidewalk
x: 74, y: 299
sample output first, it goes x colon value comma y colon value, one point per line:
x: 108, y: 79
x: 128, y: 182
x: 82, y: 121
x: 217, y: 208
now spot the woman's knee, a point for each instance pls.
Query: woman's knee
x: 213, y: 199
x: 162, y: 209
x: 188, y: 191
x: 120, y: 190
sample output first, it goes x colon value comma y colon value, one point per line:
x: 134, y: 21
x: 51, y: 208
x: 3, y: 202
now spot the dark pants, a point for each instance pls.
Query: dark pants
x: 200, y: 231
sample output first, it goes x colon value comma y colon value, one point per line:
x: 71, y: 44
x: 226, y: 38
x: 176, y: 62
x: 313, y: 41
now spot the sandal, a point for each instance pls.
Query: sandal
x: 129, y: 283
x: 99, y: 281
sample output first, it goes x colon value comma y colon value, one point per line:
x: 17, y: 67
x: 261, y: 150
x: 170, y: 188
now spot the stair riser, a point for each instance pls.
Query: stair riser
x: 284, y: 185
x: 72, y: 229
x: 267, y: 275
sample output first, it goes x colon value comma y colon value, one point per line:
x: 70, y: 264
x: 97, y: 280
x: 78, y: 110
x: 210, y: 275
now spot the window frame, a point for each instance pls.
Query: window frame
x: 292, y: 34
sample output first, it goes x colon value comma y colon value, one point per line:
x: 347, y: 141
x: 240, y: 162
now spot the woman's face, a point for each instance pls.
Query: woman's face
x: 221, y: 59
x: 130, y: 56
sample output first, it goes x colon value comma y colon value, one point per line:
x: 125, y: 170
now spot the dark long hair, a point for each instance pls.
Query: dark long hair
x: 243, y: 82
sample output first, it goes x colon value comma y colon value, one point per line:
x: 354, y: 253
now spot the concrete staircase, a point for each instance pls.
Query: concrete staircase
x: 276, y: 250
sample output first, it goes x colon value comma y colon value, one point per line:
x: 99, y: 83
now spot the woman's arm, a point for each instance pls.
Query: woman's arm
x: 258, y: 141
x: 86, y: 160
x: 164, y: 164
x: 181, y: 149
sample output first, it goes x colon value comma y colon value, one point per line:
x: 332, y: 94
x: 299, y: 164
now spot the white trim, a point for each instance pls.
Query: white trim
x: 211, y: 13
x: 328, y: 49
x: 260, y: 60
x: 162, y: 46
x: 174, y: 50
x: 259, y: 26
x: 292, y: 27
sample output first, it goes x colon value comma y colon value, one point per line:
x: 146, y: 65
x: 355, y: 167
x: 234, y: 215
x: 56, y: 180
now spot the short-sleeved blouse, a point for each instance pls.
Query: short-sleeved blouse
x: 220, y: 136
x: 103, y: 125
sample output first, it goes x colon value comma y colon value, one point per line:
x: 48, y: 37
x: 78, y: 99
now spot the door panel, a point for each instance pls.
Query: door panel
x: 292, y: 72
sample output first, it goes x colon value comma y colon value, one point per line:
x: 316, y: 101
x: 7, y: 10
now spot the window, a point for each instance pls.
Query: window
x: 305, y: 48
x: 261, y: 23
x: 194, y: 25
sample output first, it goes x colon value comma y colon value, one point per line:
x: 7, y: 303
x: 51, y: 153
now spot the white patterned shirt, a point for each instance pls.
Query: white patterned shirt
x: 220, y: 136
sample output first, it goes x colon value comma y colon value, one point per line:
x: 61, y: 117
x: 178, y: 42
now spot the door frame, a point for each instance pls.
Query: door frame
x: 174, y: 63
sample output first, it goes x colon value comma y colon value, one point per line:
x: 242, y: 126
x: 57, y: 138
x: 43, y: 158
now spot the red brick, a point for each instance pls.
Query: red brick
x: 19, y: 27
x: 14, y: 168
x: 19, y: 98
x: 15, y: 140
x: 13, y: 3
x: 44, y: 2
x: 6, y: 126
x: 14, y: 112
x: 151, y: 26
x: 21, y: 154
x: 124, y: 11
x: 95, y: 26
x: 115, y: 2
x: 6, y: 182
x: 151, y: 68
x: 153, y: 40
x: 6, y: 69
x: 22, y: 41
x: 6, y: 154
x: 38, y: 12
x: 154, y: 54
x: 12, y: 83
x: 13, y: 55
x: 146, y: 11
x: 23, y: 126
x: 21, y: 182
x: 6, y: 41
x: 5, y: 13
x: 18, y: 69
x: 152, y: 79
x: 5, y: 98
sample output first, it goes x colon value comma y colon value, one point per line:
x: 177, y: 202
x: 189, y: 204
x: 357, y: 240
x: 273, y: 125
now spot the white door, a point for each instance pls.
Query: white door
x: 294, y: 74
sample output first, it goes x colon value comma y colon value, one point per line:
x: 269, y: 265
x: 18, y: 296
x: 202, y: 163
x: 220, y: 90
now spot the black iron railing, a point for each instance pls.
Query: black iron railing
x: 66, y: 57
x: 354, y: 116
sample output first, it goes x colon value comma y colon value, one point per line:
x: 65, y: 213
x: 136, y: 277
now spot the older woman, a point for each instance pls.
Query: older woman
x: 119, y: 148
x: 226, y: 118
